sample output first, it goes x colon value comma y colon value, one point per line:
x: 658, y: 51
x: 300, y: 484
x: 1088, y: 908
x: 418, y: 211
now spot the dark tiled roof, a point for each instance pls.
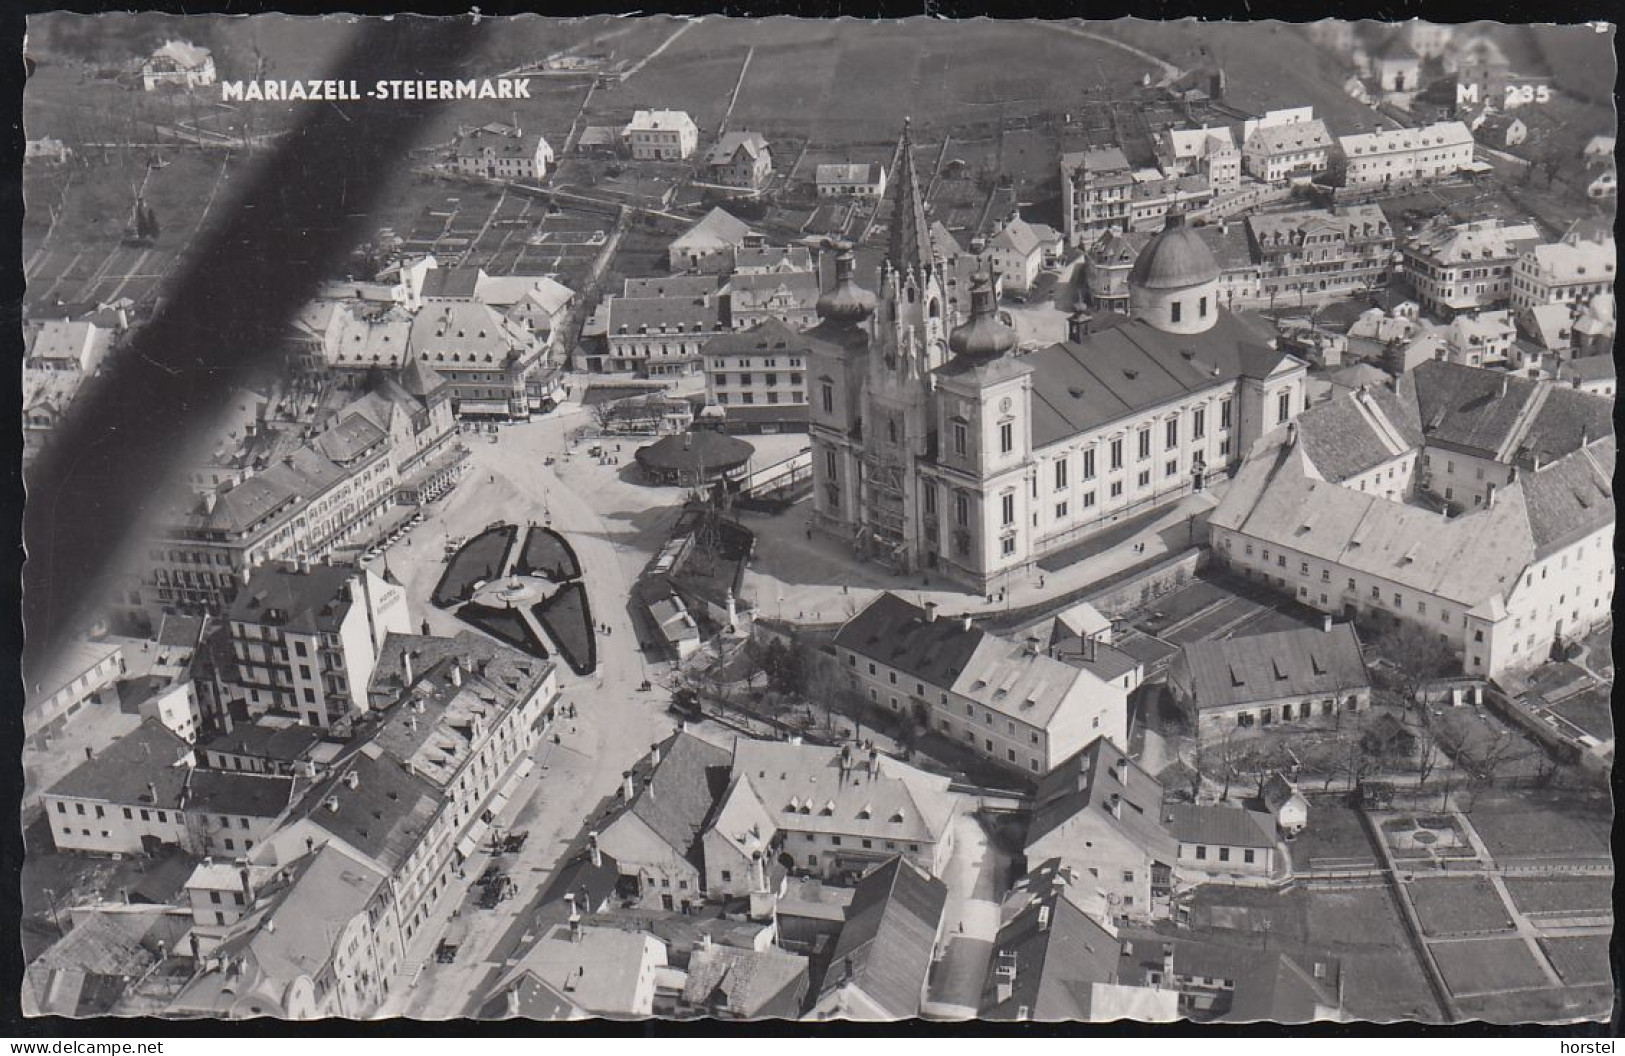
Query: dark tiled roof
x: 121, y: 773
x: 1570, y: 498
x: 1057, y: 965
x: 246, y: 795
x: 897, y: 633
x: 1208, y: 823
x: 889, y: 936
x: 303, y: 602
x: 1128, y: 366
x: 1086, y: 781
x: 683, y: 789
x: 1303, y: 661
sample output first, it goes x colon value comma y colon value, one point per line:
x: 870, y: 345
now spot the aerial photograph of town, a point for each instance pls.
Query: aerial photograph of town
x: 794, y: 519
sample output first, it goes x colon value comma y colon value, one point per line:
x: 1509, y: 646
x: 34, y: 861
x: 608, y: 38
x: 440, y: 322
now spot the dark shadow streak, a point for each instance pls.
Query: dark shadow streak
x: 221, y: 326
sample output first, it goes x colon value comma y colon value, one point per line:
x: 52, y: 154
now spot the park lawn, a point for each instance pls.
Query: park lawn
x: 1579, y: 959
x: 1533, y: 827
x: 479, y: 560
x: 1484, y: 965
x: 1453, y: 907
x: 546, y: 553
x: 567, y: 618
x: 1574, y: 894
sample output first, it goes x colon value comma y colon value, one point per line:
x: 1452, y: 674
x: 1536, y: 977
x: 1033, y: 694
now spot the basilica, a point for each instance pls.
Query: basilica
x: 939, y: 446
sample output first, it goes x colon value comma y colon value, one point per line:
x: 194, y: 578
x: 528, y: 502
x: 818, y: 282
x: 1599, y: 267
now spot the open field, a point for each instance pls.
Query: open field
x: 1579, y: 959
x: 1563, y: 895
x: 1486, y: 965
x: 1532, y: 826
x: 852, y: 81
x: 1456, y: 907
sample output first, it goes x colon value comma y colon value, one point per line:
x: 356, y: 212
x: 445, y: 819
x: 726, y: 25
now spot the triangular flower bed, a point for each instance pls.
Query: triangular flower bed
x: 567, y: 618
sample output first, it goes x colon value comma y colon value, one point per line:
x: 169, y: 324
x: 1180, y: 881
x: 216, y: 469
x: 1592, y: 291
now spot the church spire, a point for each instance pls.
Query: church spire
x: 910, y: 248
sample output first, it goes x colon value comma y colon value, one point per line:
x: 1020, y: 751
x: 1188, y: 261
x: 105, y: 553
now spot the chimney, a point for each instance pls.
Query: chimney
x: 930, y: 612
x: 654, y: 755
x: 592, y: 849
x: 352, y: 780
x: 1168, y: 962
x: 627, y: 788
x: 1326, y: 623
x: 90, y: 753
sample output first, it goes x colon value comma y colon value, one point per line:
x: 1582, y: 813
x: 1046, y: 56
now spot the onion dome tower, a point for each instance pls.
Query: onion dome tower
x: 1174, y: 284
x: 982, y: 337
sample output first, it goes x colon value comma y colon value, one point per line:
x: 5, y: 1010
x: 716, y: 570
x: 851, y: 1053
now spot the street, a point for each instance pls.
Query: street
x: 616, y: 722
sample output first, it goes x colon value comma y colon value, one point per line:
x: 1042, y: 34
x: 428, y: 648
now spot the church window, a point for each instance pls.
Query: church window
x: 1007, y: 437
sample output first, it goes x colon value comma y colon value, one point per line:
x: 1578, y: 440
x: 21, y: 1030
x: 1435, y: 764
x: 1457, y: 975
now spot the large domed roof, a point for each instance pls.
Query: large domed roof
x: 1174, y: 260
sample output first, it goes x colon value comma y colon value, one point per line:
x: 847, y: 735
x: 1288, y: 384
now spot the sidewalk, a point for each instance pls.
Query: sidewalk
x: 812, y: 578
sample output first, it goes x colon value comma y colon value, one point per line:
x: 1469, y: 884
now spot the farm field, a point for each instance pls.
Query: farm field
x: 1455, y: 907
x: 1579, y: 959
x: 1580, y: 894
x: 1487, y: 965
x: 1531, y: 826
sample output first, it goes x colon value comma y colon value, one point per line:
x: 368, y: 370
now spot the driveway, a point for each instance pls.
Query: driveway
x: 975, y: 876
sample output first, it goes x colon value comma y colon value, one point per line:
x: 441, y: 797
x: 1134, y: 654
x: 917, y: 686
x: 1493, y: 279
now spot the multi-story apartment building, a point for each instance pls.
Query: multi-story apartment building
x: 1527, y: 564
x: 306, y: 640
x: 1570, y: 272
x: 1404, y: 155
x: 503, y: 152
x: 662, y: 135
x: 938, y: 448
x: 1009, y: 703
x: 1317, y: 252
x: 1465, y: 267
x: 453, y: 723
x: 1290, y: 150
x: 316, y: 498
x: 1097, y: 187
x: 763, y: 366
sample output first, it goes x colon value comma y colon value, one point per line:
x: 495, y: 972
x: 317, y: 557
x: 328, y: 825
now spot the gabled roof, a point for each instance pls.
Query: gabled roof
x: 1086, y: 782
x: 885, y: 947
x: 741, y: 982
x: 898, y: 634
x: 151, y: 754
x: 1301, y: 662
x: 1215, y: 825
x: 716, y: 228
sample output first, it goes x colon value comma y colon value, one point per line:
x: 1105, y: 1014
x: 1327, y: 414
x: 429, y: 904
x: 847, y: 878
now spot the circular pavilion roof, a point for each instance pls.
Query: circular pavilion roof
x: 686, y: 453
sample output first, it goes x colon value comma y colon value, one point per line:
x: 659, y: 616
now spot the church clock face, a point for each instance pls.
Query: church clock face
x: 1005, y: 404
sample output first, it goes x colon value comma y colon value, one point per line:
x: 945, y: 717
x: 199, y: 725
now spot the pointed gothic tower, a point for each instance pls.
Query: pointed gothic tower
x: 908, y: 340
